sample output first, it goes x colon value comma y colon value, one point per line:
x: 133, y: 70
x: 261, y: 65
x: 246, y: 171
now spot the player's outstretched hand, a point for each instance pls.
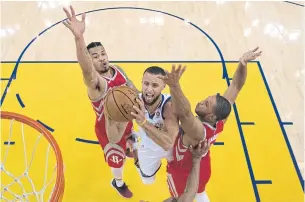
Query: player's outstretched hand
x: 250, y: 55
x: 200, y: 150
x: 172, y: 78
x: 77, y: 27
x: 140, y: 113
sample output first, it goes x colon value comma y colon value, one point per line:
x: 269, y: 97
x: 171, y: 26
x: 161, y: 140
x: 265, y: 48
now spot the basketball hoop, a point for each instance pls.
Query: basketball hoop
x: 17, y: 188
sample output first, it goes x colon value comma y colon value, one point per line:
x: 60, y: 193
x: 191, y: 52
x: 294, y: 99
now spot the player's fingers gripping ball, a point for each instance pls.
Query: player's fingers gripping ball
x: 119, y: 103
x: 139, y: 115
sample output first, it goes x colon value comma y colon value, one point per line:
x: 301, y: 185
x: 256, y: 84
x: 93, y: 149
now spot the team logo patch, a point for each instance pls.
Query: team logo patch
x: 115, y: 160
x: 158, y: 113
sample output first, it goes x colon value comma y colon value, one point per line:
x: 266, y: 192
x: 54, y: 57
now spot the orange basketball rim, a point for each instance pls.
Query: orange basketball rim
x: 58, y: 189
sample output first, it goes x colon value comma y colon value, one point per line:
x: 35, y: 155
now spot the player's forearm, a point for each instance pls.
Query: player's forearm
x: 129, y: 82
x: 131, y: 85
x: 192, y: 183
x: 181, y: 103
x: 83, y: 56
x: 158, y: 136
x: 240, y: 76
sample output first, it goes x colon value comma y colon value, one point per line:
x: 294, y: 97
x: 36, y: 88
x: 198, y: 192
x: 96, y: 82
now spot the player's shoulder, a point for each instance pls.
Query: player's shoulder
x: 117, y: 67
x: 220, y: 125
x: 167, y: 109
x: 166, y: 100
x: 217, y: 127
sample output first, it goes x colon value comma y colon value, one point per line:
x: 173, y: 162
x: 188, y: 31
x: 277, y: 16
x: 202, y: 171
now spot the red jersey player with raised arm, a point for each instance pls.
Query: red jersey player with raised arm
x: 99, y: 77
x: 212, y: 114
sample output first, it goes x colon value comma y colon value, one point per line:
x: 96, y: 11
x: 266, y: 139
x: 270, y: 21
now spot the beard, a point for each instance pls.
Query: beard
x: 104, y: 71
x: 153, y: 102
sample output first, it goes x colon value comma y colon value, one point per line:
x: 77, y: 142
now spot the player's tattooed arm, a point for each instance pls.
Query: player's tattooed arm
x: 129, y: 82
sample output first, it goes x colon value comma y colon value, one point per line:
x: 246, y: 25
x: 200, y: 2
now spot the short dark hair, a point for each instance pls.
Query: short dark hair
x: 223, y: 107
x: 94, y: 44
x: 155, y: 70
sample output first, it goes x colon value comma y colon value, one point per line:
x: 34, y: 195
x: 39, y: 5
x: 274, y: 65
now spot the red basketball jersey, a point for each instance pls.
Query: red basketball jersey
x: 118, y: 79
x: 181, y: 164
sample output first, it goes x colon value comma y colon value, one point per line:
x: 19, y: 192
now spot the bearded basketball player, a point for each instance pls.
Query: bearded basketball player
x: 212, y: 113
x: 99, y: 77
x: 158, y: 125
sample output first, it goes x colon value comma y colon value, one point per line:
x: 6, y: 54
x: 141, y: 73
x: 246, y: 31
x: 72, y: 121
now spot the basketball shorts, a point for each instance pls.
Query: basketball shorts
x: 114, y: 154
x: 150, y: 162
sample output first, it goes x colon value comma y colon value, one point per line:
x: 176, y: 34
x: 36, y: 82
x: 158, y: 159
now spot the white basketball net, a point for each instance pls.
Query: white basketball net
x: 26, y: 193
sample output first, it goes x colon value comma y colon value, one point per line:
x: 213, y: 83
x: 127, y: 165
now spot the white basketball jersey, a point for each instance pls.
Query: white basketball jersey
x: 157, y: 120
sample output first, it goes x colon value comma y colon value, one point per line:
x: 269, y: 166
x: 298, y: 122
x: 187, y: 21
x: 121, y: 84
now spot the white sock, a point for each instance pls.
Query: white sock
x: 118, y: 176
x: 202, y: 197
x: 119, y: 183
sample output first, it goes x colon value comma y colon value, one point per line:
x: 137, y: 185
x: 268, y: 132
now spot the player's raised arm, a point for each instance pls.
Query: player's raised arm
x: 165, y: 138
x: 91, y: 78
x: 189, y: 123
x: 240, y: 75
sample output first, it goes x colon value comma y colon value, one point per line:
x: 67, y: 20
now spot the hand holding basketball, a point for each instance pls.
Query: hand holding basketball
x: 172, y: 78
x: 77, y: 27
x: 250, y: 55
x: 119, y: 103
x: 140, y: 112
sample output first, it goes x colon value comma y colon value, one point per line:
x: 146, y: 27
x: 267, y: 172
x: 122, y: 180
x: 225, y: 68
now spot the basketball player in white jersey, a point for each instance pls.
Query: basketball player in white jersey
x: 160, y: 127
x: 99, y: 77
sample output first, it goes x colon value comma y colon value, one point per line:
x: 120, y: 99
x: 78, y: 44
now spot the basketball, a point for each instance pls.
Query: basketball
x: 119, y: 103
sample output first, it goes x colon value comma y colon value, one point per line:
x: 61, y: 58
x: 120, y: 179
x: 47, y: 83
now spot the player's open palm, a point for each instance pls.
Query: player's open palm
x: 172, y: 78
x: 200, y: 150
x: 250, y: 55
x: 76, y: 26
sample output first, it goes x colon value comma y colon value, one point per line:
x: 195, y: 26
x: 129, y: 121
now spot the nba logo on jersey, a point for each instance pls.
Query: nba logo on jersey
x: 158, y: 114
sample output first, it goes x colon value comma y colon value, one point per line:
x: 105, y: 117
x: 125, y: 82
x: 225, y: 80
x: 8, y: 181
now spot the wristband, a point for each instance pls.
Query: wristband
x: 141, y: 124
